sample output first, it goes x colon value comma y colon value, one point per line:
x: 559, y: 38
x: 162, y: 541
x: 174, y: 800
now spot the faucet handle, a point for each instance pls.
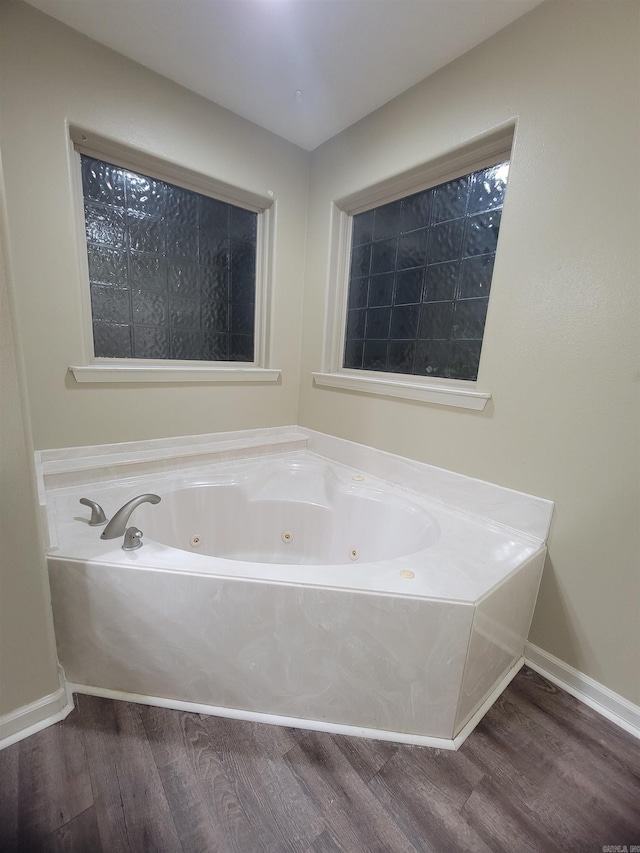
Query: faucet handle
x: 97, y: 513
x: 132, y: 539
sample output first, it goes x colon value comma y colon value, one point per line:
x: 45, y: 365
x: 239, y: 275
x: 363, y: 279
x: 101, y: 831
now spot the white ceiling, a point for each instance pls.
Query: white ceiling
x: 345, y: 57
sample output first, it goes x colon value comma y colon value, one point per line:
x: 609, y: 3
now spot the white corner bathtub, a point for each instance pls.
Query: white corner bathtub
x: 292, y: 588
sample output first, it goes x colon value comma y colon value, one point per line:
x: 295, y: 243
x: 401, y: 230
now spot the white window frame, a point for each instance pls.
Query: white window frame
x: 484, y: 151
x: 99, y: 370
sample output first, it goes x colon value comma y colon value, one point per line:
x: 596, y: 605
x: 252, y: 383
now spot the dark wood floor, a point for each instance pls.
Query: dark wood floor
x: 541, y: 773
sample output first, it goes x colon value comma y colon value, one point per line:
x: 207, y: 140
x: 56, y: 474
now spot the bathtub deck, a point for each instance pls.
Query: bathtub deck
x: 541, y: 772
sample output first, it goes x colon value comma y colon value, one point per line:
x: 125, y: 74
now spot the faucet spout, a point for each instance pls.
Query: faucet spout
x: 118, y: 523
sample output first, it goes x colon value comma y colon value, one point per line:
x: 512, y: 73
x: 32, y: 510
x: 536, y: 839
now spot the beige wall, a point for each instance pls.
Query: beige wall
x: 51, y: 75
x: 561, y: 344
x: 28, y: 667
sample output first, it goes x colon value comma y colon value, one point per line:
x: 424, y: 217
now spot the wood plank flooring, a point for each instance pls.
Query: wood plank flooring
x: 541, y: 773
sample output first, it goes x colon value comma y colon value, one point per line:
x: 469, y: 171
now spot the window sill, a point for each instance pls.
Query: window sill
x: 95, y: 373
x: 428, y: 391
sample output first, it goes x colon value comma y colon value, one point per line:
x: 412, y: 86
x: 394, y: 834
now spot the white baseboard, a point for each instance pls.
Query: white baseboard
x: 37, y: 715
x: 498, y: 689
x: 611, y: 705
x: 50, y: 709
x: 312, y: 725
x: 270, y: 719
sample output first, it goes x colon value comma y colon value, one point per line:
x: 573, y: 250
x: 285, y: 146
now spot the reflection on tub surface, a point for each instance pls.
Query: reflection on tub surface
x: 294, y: 514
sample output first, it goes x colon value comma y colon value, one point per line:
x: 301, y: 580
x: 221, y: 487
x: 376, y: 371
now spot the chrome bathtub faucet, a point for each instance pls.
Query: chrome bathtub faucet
x: 118, y: 523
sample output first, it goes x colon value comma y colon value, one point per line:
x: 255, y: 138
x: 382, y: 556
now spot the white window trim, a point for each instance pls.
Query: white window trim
x: 170, y: 371
x: 100, y: 370
x: 481, y: 152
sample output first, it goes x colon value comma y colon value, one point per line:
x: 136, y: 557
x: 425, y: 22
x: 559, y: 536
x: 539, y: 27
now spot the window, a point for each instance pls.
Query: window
x: 175, y: 270
x: 410, y: 272
x: 420, y: 277
x: 172, y: 272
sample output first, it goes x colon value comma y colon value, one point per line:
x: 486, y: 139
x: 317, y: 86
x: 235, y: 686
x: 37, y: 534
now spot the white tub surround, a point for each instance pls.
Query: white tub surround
x: 300, y: 579
x: 70, y: 466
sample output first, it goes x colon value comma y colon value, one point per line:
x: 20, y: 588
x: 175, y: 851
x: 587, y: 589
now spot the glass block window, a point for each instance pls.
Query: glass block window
x: 420, y: 278
x: 172, y: 272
